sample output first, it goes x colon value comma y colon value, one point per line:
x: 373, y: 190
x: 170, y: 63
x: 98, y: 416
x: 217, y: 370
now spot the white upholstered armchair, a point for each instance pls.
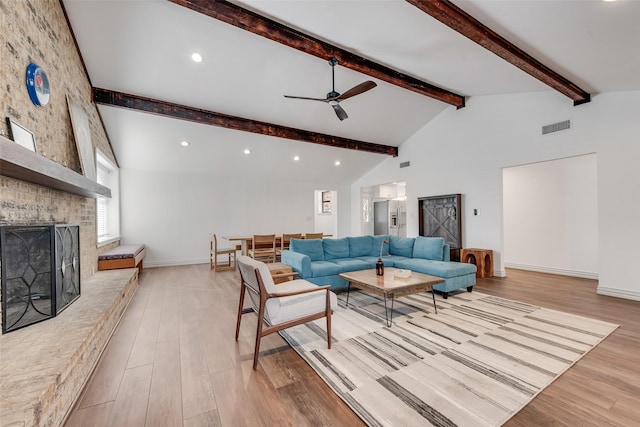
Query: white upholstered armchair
x: 281, y: 306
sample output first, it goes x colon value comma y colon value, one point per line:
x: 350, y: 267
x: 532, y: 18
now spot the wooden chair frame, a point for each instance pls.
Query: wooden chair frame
x: 213, y: 256
x: 264, y: 297
x: 263, y: 247
x: 286, y: 240
x: 313, y: 235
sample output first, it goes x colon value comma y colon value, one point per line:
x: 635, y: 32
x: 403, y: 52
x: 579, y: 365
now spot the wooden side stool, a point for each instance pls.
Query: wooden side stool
x: 281, y: 272
x: 481, y: 258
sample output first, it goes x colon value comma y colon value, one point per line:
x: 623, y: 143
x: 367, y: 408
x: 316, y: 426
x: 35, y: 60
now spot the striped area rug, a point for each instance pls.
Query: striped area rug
x: 475, y: 363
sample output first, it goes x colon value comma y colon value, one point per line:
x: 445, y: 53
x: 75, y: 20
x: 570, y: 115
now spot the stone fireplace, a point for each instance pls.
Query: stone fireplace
x: 40, y: 273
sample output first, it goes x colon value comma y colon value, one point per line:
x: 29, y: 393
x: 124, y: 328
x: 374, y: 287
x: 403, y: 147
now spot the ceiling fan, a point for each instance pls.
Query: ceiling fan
x: 333, y: 98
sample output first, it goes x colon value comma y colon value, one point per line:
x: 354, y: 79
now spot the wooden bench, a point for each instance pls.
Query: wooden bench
x: 123, y: 256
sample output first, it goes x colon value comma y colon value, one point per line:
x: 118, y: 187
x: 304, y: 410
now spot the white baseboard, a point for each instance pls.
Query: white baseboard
x: 551, y: 270
x: 618, y: 293
x: 171, y: 263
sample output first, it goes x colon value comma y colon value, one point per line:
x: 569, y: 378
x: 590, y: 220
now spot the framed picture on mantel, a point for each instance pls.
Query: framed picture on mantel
x: 21, y: 135
x: 82, y: 133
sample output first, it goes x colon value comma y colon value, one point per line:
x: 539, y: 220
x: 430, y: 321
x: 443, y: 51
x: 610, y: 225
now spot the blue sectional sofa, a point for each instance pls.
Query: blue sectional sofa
x: 320, y: 261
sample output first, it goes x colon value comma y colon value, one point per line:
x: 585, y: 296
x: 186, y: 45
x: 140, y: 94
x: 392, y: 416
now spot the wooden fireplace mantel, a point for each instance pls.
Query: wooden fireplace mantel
x: 20, y: 163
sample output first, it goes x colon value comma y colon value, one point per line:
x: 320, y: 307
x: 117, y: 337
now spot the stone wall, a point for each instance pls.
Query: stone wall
x: 37, y: 31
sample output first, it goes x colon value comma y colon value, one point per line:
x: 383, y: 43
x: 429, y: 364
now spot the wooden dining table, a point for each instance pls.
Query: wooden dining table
x: 245, y: 241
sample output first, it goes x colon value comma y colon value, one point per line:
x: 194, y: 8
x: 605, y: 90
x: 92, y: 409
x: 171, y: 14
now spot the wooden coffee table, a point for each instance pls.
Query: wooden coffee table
x: 388, y: 286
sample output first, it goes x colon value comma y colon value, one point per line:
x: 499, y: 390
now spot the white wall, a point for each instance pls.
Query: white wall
x: 173, y: 214
x: 464, y: 151
x: 554, y: 201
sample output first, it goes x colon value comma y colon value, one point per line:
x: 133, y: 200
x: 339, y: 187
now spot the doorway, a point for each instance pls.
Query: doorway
x: 550, y: 216
x: 326, y: 212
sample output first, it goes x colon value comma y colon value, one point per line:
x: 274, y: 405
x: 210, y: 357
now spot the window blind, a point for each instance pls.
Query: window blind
x: 102, y: 203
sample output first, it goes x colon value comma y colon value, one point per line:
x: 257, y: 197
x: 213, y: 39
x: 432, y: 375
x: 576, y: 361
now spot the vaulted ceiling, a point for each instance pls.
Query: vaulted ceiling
x: 424, y: 57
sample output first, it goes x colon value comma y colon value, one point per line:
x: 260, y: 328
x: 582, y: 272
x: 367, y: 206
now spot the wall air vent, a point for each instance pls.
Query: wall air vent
x: 556, y: 127
x: 405, y: 164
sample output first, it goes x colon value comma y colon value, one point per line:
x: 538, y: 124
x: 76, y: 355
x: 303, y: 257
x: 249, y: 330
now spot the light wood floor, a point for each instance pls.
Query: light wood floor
x: 173, y: 361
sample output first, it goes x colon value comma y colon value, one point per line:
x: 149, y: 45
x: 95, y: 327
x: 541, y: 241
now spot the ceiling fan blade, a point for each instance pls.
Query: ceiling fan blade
x: 308, y: 99
x: 340, y: 112
x: 357, y: 90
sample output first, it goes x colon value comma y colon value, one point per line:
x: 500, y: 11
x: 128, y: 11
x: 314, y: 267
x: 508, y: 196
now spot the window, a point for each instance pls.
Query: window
x: 107, y: 210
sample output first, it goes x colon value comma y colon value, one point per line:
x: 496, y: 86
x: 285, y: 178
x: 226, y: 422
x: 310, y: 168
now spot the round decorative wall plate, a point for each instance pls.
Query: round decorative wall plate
x: 38, y: 85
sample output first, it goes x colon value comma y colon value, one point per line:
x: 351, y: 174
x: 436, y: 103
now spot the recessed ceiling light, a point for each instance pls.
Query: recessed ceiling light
x: 185, y: 143
x: 296, y: 158
x: 247, y: 151
x: 337, y: 163
x: 196, y: 57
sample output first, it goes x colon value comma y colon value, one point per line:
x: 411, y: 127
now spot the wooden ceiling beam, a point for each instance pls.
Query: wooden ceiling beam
x: 250, y: 21
x: 182, y: 112
x: 457, y: 19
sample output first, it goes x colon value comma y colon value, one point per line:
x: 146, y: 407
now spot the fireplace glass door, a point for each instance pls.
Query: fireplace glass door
x: 40, y: 272
x: 67, y: 265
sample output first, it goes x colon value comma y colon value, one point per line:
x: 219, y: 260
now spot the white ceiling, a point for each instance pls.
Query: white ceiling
x: 144, y: 48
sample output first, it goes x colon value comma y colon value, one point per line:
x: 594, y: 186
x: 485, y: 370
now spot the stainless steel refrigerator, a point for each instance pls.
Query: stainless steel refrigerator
x: 390, y: 217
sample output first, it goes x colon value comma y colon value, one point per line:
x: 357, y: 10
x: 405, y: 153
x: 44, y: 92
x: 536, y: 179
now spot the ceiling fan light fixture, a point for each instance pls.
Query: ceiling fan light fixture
x: 184, y: 143
x: 247, y: 151
x: 196, y: 57
x: 337, y: 163
x: 296, y: 158
x: 333, y: 98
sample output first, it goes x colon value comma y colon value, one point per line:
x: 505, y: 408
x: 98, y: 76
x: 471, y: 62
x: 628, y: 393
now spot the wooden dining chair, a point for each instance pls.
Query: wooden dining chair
x: 263, y: 247
x: 308, y: 236
x: 215, y: 251
x: 281, y: 306
x: 286, y: 240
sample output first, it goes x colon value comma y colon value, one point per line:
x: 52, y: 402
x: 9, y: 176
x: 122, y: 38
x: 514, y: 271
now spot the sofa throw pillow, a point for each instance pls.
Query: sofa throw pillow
x: 401, y: 246
x: 377, y: 244
x: 335, y: 248
x: 428, y: 248
x: 360, y: 246
x: 311, y: 248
